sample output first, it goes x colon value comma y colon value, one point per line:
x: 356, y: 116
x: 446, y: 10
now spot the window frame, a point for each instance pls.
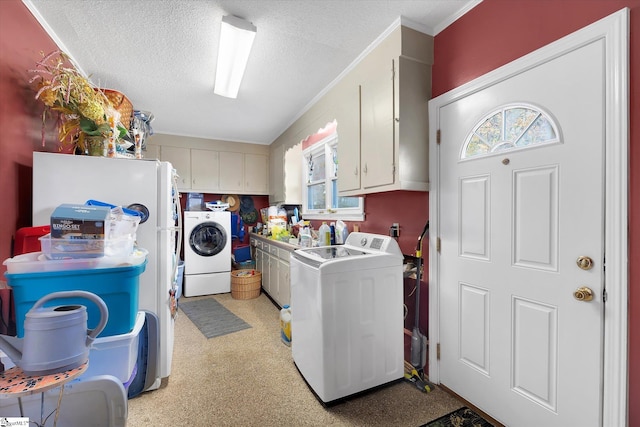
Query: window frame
x: 326, y: 146
x: 541, y: 112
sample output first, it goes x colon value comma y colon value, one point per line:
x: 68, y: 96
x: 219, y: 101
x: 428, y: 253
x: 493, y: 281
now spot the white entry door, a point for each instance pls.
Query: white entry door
x: 520, y: 209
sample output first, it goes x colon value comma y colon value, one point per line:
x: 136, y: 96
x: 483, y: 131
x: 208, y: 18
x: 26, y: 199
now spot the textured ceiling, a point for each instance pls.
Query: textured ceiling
x: 162, y: 54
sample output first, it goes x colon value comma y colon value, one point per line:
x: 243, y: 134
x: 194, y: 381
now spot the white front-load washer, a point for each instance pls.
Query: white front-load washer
x: 207, y: 253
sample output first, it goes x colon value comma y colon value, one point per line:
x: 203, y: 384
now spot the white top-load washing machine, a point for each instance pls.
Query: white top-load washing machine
x: 207, y: 253
x: 347, y: 310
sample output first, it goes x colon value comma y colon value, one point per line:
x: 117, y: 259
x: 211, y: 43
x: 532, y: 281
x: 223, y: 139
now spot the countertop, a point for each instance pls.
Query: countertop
x: 284, y: 245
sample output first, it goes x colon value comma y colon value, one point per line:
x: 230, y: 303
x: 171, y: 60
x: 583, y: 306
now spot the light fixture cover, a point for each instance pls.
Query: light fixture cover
x: 236, y: 39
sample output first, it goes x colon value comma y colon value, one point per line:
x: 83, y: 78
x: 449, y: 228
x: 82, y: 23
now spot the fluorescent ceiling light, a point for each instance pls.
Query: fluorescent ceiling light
x: 236, y: 39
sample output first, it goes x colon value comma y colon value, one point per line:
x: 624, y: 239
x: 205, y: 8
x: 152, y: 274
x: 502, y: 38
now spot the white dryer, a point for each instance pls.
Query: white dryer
x: 207, y: 253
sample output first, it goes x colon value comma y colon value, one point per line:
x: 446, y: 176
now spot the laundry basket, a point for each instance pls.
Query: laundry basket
x: 245, y: 284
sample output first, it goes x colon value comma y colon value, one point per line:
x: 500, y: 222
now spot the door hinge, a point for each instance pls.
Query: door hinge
x: 438, y: 137
x: 438, y: 244
x: 604, y: 295
x: 438, y: 351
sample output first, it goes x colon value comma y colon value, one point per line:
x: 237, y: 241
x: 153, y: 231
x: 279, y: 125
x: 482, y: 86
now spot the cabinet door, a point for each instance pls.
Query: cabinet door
x: 377, y: 145
x: 284, y: 283
x: 293, y: 175
x: 151, y: 152
x: 259, y: 261
x: 276, y: 175
x: 266, y: 277
x: 180, y: 159
x: 231, y: 171
x: 205, y: 171
x: 348, y: 118
x: 256, y: 174
x: 274, y: 285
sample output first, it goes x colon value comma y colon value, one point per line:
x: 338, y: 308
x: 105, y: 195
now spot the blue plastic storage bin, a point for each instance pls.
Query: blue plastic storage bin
x: 118, y: 287
x: 242, y: 253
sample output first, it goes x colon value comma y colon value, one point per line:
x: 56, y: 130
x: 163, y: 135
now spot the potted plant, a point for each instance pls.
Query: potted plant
x: 86, y: 120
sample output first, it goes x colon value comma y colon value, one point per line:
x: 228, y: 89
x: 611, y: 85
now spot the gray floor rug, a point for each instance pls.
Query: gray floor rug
x: 212, y: 318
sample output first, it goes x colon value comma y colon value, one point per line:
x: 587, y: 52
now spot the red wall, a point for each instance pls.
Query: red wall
x: 21, y: 41
x: 498, y: 31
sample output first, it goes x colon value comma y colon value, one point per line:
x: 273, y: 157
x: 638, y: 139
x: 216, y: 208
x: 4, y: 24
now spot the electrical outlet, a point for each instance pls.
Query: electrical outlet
x: 394, y: 230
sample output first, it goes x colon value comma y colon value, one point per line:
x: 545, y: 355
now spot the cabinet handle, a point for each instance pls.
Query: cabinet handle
x: 355, y: 171
x: 364, y: 170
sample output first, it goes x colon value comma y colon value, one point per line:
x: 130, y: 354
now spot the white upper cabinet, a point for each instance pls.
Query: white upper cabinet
x: 348, y: 118
x: 216, y: 171
x: 376, y: 126
x: 276, y: 175
x: 180, y: 159
x: 388, y: 150
x: 231, y: 172
x: 205, y: 170
x: 286, y: 175
x: 151, y: 152
x: 256, y: 173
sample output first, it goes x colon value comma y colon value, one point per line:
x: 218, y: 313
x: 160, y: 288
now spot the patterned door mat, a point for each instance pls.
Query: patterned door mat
x: 463, y: 417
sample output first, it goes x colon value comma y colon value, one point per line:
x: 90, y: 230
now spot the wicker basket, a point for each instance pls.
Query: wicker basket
x: 245, y: 284
x: 121, y: 104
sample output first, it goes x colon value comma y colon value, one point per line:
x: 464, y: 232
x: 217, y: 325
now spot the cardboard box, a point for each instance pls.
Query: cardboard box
x: 80, y: 222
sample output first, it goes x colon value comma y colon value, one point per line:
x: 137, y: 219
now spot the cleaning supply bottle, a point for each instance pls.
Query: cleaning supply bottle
x: 341, y: 232
x: 304, y: 238
x: 324, y: 235
x: 285, y: 324
x: 332, y: 230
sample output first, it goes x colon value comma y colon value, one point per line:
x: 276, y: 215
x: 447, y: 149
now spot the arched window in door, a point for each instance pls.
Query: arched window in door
x: 512, y: 127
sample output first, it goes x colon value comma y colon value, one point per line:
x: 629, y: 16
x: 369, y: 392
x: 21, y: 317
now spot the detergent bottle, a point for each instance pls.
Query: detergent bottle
x: 324, y: 235
x: 285, y: 324
x: 332, y: 230
x: 341, y: 232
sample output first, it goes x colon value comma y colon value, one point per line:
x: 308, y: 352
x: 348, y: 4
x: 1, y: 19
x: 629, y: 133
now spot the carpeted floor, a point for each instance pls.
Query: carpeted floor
x: 247, y: 378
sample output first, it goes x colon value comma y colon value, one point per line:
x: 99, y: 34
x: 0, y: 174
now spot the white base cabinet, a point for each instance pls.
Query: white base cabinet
x: 272, y: 260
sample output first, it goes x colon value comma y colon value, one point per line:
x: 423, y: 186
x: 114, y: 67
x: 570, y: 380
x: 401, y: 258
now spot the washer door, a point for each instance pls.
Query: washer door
x: 208, y: 239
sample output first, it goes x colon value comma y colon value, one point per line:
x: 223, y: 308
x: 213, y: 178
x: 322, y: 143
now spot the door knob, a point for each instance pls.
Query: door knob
x: 584, y: 262
x: 583, y: 294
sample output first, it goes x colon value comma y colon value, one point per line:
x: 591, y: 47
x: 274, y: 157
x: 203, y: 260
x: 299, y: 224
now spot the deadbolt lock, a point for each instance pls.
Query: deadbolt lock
x: 584, y: 262
x: 583, y: 294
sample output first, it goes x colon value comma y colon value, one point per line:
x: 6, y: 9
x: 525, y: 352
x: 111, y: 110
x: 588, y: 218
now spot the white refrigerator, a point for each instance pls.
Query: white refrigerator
x: 150, y: 184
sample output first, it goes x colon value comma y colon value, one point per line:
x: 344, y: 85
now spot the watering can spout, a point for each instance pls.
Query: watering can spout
x: 12, y: 347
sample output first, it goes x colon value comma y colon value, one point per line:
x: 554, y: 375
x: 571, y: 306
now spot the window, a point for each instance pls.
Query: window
x: 511, y: 127
x: 320, y: 175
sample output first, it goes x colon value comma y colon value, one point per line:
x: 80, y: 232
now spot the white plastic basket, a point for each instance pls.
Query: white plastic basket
x: 216, y: 206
